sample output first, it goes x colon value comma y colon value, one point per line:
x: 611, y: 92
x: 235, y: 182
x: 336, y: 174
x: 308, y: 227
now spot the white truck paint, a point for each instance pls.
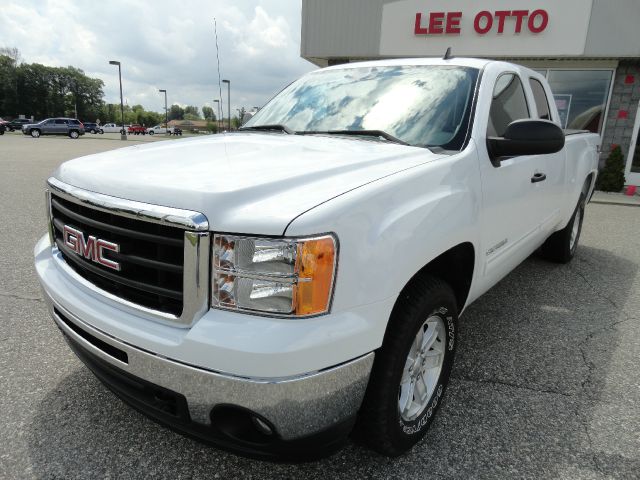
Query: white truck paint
x: 393, y: 209
x: 112, y: 128
x: 159, y: 129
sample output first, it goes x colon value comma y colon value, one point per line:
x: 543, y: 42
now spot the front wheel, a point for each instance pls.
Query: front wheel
x: 411, y: 369
x: 151, y: 132
x: 561, y: 246
x: 35, y: 133
x: 101, y: 132
x: 74, y: 134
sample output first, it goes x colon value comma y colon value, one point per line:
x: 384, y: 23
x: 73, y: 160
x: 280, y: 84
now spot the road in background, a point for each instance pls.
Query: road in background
x: 546, y: 381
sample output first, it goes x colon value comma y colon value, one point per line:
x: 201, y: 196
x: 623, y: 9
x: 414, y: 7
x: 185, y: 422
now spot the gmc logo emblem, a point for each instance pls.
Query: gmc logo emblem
x: 91, y: 249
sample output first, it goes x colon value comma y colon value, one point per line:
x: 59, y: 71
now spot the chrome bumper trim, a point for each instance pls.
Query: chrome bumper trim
x: 195, y: 299
x: 296, y: 406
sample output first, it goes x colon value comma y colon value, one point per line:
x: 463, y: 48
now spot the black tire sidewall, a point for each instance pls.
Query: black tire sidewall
x: 380, y: 424
x: 579, y: 208
x: 409, y: 432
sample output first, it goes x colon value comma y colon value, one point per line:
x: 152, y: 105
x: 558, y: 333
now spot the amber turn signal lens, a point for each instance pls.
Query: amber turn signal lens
x: 315, y: 264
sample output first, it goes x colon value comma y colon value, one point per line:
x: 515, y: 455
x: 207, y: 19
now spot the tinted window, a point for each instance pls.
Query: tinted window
x: 509, y: 104
x: 59, y: 121
x: 421, y: 105
x: 74, y: 122
x: 542, y: 105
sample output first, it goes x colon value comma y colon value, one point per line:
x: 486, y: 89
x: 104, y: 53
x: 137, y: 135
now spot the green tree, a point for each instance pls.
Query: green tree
x: 611, y: 179
x: 192, y: 110
x: 176, y: 112
x: 207, y: 113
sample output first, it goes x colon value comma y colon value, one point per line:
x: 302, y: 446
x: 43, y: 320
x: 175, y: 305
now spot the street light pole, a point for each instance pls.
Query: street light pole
x: 166, y: 115
x: 123, y: 132
x: 218, y: 119
x: 228, y: 82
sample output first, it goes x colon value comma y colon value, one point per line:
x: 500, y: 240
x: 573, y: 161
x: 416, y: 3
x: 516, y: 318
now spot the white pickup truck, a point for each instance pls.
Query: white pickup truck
x: 274, y: 289
x: 112, y: 128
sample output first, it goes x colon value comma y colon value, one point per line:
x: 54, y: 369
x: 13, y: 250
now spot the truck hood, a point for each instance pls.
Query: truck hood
x: 253, y: 183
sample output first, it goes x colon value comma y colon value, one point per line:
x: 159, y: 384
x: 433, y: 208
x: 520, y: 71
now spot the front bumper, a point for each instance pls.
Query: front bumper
x: 306, y: 413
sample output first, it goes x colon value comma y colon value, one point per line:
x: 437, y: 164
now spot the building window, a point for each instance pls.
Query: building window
x: 581, y: 97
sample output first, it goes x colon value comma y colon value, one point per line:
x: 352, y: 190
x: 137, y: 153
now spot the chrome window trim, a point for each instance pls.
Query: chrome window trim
x: 197, y: 248
x: 147, y: 212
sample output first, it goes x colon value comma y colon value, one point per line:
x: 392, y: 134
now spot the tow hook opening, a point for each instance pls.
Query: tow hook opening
x: 242, y: 425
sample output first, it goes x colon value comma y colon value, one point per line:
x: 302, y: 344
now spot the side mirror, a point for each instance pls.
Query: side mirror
x: 526, y: 137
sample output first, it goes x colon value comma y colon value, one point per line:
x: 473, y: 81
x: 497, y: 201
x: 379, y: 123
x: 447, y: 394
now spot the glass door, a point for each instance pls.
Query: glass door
x: 632, y: 172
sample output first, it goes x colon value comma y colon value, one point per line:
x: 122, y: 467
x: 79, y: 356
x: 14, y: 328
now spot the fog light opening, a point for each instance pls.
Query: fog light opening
x: 262, y: 426
x: 242, y: 425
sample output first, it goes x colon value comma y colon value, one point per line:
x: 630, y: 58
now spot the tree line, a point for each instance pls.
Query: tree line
x: 41, y: 91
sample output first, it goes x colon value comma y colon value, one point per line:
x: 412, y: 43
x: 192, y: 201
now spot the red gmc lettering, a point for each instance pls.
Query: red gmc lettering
x: 91, y: 249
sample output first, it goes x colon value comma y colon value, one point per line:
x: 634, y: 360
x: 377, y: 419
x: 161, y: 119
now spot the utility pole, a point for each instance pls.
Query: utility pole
x: 166, y: 114
x: 123, y: 132
x: 218, y: 118
x: 228, y: 82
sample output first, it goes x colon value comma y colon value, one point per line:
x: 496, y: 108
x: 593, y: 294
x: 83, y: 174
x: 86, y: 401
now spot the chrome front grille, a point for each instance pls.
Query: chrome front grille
x: 162, y: 257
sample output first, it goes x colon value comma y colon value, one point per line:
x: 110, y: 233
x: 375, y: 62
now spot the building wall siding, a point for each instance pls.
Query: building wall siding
x: 622, y: 110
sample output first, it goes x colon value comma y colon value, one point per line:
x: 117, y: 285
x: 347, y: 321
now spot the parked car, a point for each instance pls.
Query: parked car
x: 91, y: 127
x: 55, y: 126
x: 112, y: 128
x: 136, y: 129
x: 159, y: 129
x: 17, y: 124
x: 269, y: 289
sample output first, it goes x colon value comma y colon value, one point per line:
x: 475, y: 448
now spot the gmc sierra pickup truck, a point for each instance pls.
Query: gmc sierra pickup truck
x: 274, y: 289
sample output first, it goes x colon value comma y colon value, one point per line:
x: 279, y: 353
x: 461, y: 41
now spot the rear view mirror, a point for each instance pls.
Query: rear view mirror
x: 526, y: 137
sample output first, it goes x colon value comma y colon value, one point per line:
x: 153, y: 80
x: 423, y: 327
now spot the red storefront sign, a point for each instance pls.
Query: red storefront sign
x: 484, y: 22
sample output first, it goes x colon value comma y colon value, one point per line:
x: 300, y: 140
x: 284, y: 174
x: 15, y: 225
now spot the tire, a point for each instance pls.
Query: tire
x: 35, y: 133
x: 391, y: 421
x: 561, y: 246
x: 74, y: 134
x: 101, y: 132
x: 151, y: 132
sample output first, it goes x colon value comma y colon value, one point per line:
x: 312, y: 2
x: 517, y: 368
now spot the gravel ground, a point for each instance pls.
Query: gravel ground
x: 546, y: 382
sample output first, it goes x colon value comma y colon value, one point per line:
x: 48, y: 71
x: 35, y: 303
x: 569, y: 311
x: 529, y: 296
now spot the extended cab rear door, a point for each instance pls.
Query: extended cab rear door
x: 549, y: 193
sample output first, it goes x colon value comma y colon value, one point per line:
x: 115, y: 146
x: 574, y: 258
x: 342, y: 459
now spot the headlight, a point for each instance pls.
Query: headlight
x: 292, y: 277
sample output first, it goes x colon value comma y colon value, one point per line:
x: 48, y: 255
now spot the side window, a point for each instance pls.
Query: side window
x: 509, y: 103
x: 542, y: 105
x: 61, y: 122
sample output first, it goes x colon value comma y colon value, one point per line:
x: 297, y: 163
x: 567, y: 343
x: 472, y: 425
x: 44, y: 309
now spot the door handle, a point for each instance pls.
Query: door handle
x: 538, y: 177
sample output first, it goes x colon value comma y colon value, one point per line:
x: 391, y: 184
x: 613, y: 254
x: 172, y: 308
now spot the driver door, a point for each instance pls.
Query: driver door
x: 510, y: 226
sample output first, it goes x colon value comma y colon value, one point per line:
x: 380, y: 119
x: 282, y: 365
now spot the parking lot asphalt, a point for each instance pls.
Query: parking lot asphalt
x: 546, y: 381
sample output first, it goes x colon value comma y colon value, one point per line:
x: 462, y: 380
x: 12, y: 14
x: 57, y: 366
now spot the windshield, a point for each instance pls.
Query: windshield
x: 424, y: 105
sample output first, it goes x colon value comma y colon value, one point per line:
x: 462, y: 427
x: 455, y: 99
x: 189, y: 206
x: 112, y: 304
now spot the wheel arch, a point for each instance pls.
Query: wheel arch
x: 455, y: 266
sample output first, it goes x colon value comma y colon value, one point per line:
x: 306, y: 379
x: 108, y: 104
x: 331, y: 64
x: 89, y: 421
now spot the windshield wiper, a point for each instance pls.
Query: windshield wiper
x: 267, y: 128
x: 363, y: 133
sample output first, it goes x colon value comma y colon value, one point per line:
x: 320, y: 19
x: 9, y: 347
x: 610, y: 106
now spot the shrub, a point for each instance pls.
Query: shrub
x: 611, y: 178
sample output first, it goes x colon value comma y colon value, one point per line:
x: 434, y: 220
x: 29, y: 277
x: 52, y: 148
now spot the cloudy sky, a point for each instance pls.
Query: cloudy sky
x: 164, y: 44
